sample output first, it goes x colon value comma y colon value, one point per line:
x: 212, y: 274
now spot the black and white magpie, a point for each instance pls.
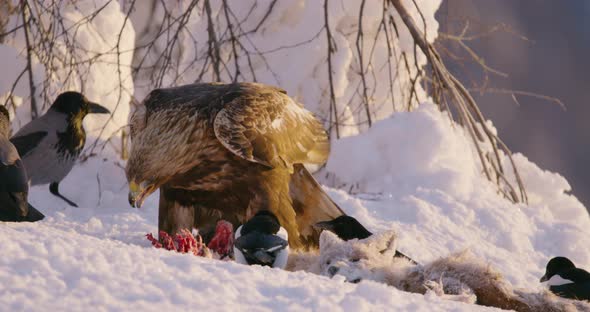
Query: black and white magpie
x: 347, y: 228
x: 14, y: 185
x: 565, y: 280
x: 263, y: 241
x: 50, y: 145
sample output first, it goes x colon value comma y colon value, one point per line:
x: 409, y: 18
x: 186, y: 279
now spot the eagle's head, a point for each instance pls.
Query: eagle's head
x: 144, y: 158
x: 142, y: 180
x: 139, y: 192
x: 163, y: 145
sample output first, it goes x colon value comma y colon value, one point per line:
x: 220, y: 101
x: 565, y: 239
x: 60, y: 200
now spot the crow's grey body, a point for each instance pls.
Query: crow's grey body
x: 13, y: 180
x: 50, y: 145
x: 46, y: 162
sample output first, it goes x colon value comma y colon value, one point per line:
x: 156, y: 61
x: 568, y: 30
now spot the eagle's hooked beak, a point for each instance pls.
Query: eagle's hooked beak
x: 94, y: 108
x: 138, y: 193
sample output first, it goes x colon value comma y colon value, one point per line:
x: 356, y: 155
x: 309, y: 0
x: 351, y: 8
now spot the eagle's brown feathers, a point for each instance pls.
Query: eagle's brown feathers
x: 225, y: 151
x: 268, y: 127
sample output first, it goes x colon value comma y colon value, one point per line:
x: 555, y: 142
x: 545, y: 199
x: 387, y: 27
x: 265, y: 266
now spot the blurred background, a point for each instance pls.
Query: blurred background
x: 553, y: 61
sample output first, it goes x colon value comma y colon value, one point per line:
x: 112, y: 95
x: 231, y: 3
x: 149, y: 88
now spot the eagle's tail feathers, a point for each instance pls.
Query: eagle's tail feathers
x: 311, y: 204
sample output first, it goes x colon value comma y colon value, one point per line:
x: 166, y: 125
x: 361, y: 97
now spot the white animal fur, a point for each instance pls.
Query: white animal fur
x: 460, y: 276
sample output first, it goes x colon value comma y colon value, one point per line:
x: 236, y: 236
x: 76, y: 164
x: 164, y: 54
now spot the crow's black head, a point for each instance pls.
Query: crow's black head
x: 557, y: 265
x: 346, y: 227
x: 75, y: 104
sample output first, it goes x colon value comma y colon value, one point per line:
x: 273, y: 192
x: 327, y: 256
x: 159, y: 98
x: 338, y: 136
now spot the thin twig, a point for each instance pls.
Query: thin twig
x: 331, y: 50
x: 26, y: 24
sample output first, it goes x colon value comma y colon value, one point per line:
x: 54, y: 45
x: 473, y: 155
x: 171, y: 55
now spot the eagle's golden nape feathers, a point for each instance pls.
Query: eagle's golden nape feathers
x: 225, y: 151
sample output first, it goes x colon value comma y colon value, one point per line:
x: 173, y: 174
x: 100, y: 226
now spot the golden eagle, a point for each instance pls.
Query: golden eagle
x: 225, y: 151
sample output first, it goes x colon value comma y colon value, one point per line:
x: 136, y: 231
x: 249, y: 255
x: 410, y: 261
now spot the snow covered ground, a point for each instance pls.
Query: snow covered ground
x: 97, y: 256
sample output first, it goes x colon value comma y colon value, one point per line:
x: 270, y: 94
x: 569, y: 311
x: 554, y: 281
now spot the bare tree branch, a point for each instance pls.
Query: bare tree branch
x: 468, y: 110
x: 26, y: 22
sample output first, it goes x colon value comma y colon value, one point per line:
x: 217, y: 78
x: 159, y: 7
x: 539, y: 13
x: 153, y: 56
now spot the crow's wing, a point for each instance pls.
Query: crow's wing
x: 579, y: 291
x: 13, y: 210
x: 26, y: 143
x: 13, y: 191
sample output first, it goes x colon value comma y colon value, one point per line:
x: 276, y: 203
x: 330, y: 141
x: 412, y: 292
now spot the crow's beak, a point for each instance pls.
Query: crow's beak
x: 94, y: 108
x: 544, y: 278
x: 138, y: 193
x: 324, y: 225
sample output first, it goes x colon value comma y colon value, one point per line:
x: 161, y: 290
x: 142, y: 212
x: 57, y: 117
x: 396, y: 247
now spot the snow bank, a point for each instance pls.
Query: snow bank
x: 405, y: 152
x: 421, y: 176
x: 59, y: 269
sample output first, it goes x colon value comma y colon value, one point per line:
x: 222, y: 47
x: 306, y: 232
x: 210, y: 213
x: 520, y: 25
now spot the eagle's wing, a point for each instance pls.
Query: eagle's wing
x: 265, y: 126
x: 311, y: 204
x: 269, y: 128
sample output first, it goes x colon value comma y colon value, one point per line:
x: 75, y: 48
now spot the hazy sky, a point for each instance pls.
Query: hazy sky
x: 555, y: 62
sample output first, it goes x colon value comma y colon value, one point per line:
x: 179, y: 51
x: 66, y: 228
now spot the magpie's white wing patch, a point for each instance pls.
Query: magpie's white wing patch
x: 238, y: 232
x: 282, y: 233
x: 557, y: 280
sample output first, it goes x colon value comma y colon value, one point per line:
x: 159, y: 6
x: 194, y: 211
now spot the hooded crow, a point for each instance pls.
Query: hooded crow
x: 49, y: 158
x: 347, y: 228
x: 262, y: 241
x: 14, y: 185
x: 565, y: 280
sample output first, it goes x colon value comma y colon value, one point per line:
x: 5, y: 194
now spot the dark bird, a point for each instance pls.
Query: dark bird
x: 263, y: 241
x: 347, y: 228
x: 226, y: 151
x: 565, y: 280
x: 14, y: 187
x: 50, y: 145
